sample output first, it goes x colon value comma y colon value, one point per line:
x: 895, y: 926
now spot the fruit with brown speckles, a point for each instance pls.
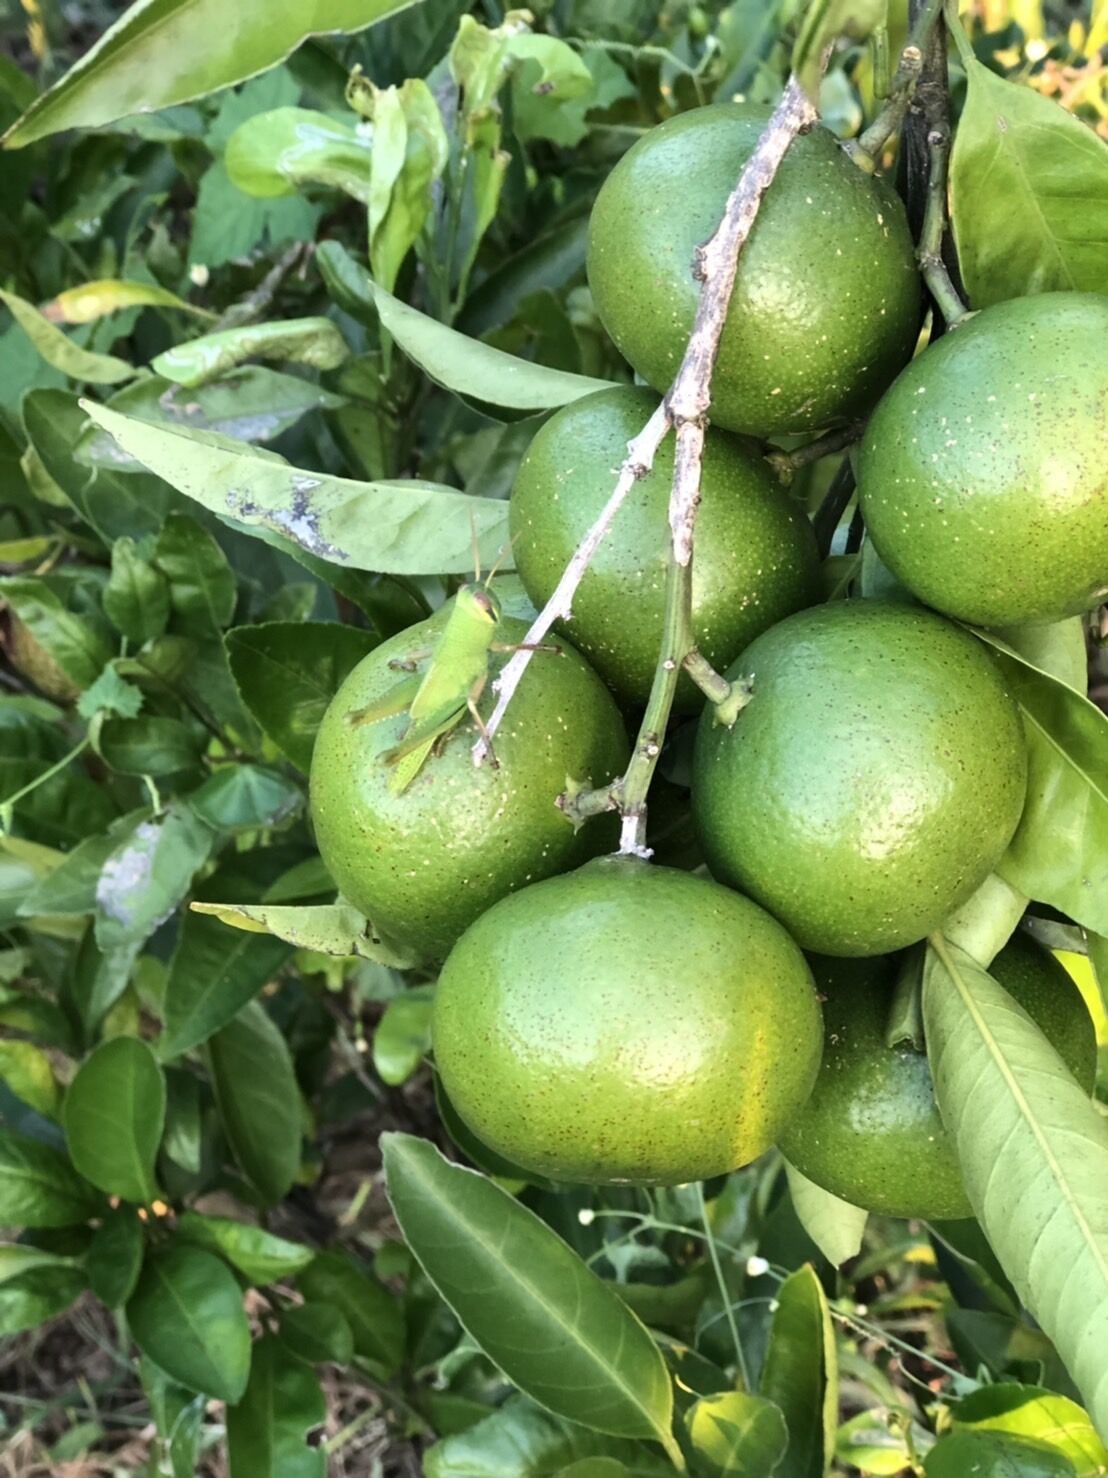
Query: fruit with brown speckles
x: 826, y: 306
x: 425, y: 863
x: 871, y: 1131
x: 627, y: 1024
x: 870, y: 784
x: 756, y: 559
x: 984, y: 470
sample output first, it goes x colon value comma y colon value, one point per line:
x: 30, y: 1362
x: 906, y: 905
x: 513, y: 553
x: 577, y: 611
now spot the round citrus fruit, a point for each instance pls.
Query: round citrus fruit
x: 871, y: 1131
x: 871, y: 782
x: 826, y: 305
x: 422, y: 863
x: 983, y: 475
x: 755, y: 559
x: 628, y: 1024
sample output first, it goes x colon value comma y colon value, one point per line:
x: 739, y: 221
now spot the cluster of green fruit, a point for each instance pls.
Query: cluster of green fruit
x: 611, y: 1020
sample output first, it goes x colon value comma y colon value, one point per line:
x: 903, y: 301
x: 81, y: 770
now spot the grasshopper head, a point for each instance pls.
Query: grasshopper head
x: 479, y: 602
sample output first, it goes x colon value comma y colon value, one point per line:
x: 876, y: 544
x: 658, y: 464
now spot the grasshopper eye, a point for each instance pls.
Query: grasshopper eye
x: 487, y: 604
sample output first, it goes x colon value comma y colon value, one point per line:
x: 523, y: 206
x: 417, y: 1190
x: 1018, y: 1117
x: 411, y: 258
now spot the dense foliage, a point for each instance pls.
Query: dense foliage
x: 286, y: 318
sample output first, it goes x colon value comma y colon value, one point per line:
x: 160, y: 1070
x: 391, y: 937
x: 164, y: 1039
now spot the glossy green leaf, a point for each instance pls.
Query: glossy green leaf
x: 1033, y: 1152
x: 251, y: 404
x: 160, y: 53
x: 520, y: 1440
x: 35, y: 1286
x: 407, y: 527
x: 213, y: 975
x: 201, y: 582
x: 800, y: 1375
x: 315, y: 342
x: 403, y: 1035
x: 152, y: 744
x: 178, y: 1416
x: 594, y: 1467
x: 989, y: 1455
x: 245, y: 797
x: 288, y: 672
x: 559, y: 1333
x: 1028, y: 191
x: 326, y: 928
x: 136, y: 597
x: 317, y: 1333
x: 1098, y: 959
x: 92, y: 300
x: 737, y: 1435
x: 834, y: 1225
x: 258, y: 1100
x: 375, y: 1316
x: 60, y: 351
x: 267, y: 1432
x: 873, y: 1442
x: 110, y: 694
x: 472, y: 368
x: 114, y: 1116
x: 1044, y: 1416
x: 186, y: 1314
x: 1059, y: 853
x: 25, y: 1071
x: 76, y: 643
x: 146, y: 876
x: 279, y: 152
x: 259, y: 1255
x: 114, y: 1257
x: 39, y: 1187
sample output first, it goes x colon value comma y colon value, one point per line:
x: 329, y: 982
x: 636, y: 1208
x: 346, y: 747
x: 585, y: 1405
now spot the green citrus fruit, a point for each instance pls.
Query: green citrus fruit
x: 872, y: 781
x: 871, y: 1131
x: 983, y: 475
x: 424, y: 863
x: 626, y: 1023
x: 826, y: 305
x: 755, y: 559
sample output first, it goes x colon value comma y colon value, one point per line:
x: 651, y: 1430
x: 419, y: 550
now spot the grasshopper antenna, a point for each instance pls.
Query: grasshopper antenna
x: 505, y: 550
x: 476, y: 548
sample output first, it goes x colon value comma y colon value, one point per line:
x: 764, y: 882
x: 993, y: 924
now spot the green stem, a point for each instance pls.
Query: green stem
x: 724, y: 1291
x: 868, y: 147
x: 930, y: 249
x: 78, y: 749
x: 785, y: 464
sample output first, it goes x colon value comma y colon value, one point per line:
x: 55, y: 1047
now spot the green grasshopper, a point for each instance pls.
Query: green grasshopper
x: 438, y: 701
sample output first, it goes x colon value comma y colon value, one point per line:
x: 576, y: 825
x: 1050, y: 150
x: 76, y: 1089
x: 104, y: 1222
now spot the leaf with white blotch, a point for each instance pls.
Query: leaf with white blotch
x: 315, y: 342
x: 405, y: 527
x: 61, y: 352
x: 161, y: 52
x: 1033, y: 1153
x: 326, y: 928
x: 1028, y: 191
x: 834, y: 1225
x: 558, y: 1333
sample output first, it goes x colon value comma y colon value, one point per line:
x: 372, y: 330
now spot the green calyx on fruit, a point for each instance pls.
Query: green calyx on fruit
x: 983, y: 476
x: 423, y: 864
x: 755, y: 561
x: 871, y: 1131
x: 872, y: 781
x: 626, y: 1023
x: 826, y: 305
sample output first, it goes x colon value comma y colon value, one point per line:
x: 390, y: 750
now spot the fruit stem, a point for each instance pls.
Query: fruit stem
x: 867, y: 148
x: 786, y: 464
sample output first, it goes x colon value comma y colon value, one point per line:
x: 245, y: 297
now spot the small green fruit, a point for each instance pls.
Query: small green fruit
x: 983, y: 474
x: 872, y: 781
x: 755, y: 560
x: 871, y: 1131
x: 826, y: 305
x: 626, y: 1024
x: 423, y: 864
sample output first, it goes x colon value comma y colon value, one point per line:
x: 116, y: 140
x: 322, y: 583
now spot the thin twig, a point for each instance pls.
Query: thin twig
x: 930, y: 249
x: 786, y: 464
x: 866, y: 150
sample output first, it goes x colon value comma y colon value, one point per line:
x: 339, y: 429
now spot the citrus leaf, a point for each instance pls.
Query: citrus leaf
x: 316, y: 342
x: 558, y: 1333
x: 258, y: 1254
x: 212, y: 976
x: 800, y: 1375
x: 1041, y: 1415
x: 989, y: 1455
x: 114, y: 1257
x: 267, y: 1432
x: 1059, y: 853
x: 403, y: 1036
x: 375, y: 1317
x: 1033, y: 1153
x: 25, y: 1071
x: 34, y: 1287
x: 406, y: 527
x: 277, y: 152
x: 520, y: 1440
x: 61, y: 352
x: 258, y: 1100
x: 834, y: 1225
x: 160, y: 53
x: 39, y: 1187
x: 186, y: 1314
x: 326, y: 928
x: 737, y: 1435
x: 92, y: 300
x: 1029, y: 193
x: 114, y: 1116
x: 317, y: 1332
